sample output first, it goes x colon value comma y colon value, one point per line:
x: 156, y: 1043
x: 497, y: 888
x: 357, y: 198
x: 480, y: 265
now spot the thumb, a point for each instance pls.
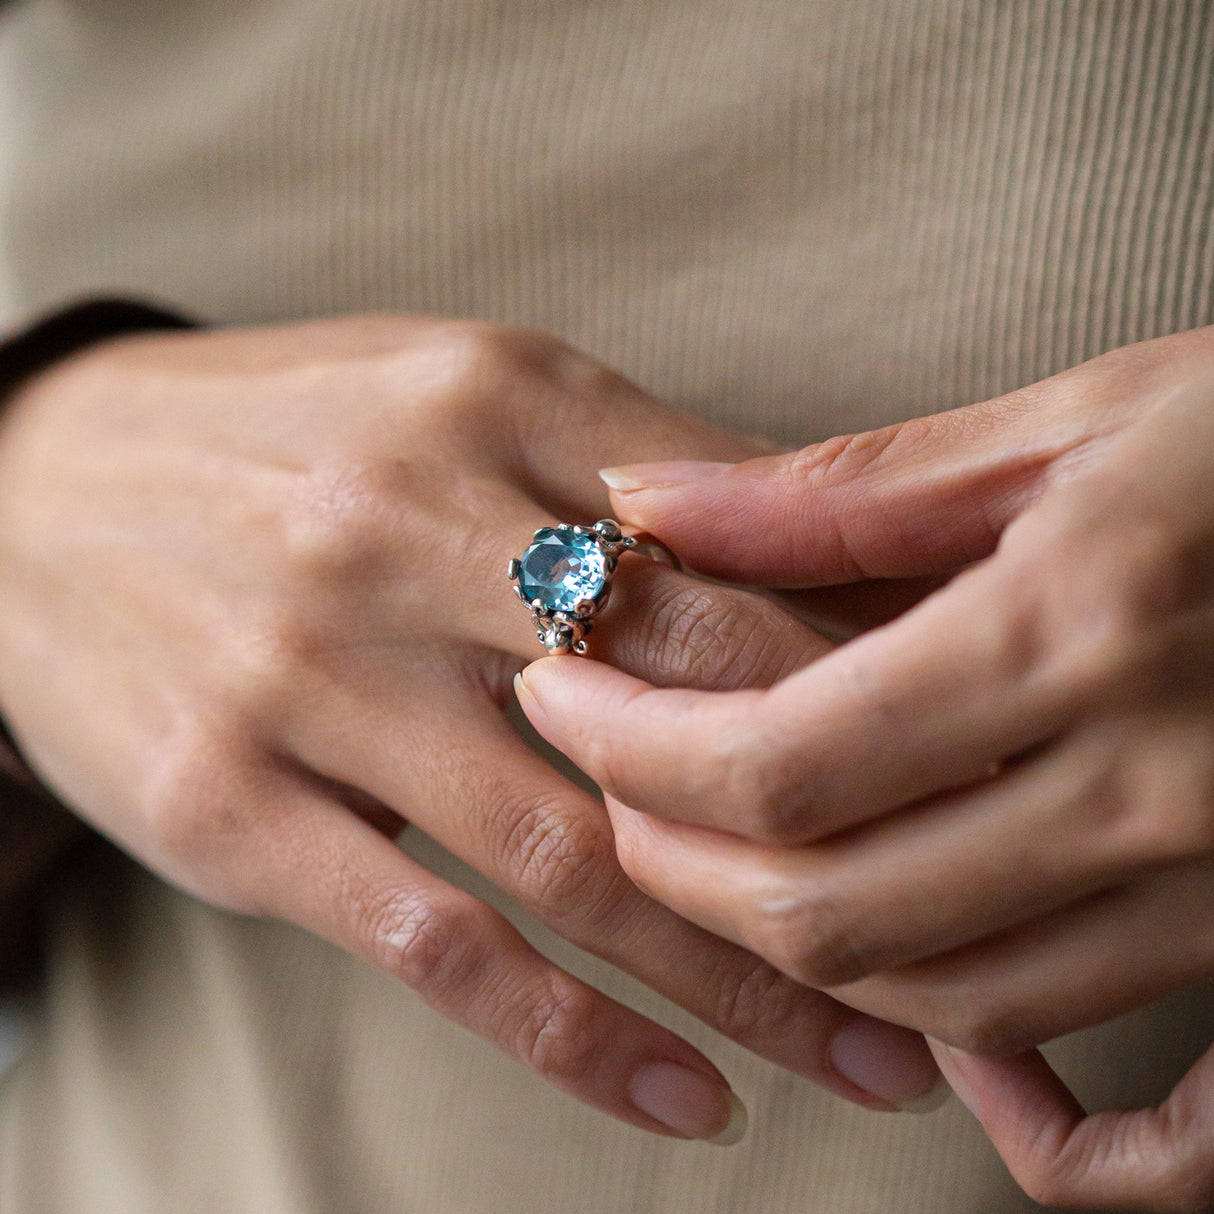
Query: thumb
x: 925, y: 496
x: 1143, y: 1159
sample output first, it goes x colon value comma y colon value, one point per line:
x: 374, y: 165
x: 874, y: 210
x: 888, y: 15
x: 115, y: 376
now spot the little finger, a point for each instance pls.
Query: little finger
x: 326, y: 870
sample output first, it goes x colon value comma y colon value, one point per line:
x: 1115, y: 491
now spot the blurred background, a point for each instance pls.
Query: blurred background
x: 10, y: 1015
x: 8, y: 105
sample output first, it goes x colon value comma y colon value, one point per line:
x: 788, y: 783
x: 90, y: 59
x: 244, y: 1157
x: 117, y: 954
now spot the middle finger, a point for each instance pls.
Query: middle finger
x: 907, y: 887
x: 468, y: 780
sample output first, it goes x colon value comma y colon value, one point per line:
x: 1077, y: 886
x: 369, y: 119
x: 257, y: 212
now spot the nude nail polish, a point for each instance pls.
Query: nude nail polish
x: 669, y: 475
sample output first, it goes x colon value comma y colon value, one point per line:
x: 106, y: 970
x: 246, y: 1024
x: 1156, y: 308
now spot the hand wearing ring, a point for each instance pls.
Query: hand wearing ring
x: 297, y: 649
x: 564, y: 577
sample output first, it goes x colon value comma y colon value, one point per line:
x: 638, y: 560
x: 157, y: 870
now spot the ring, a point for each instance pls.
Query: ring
x: 564, y: 578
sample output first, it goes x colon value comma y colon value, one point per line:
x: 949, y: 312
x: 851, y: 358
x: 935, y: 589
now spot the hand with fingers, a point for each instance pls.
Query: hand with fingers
x: 255, y: 619
x: 990, y: 816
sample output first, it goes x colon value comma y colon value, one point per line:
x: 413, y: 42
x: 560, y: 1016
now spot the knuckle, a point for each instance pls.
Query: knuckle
x: 757, y: 1004
x: 561, y: 1036
x: 682, y: 629
x: 1095, y: 659
x: 1164, y: 828
x: 844, y: 460
x: 1146, y: 800
x: 279, y: 661
x: 476, y: 359
x: 1173, y: 783
x: 472, y: 358
x: 529, y: 355
x: 607, y: 766
x: 1065, y: 1175
x: 1022, y: 637
x: 832, y: 464
x: 1048, y: 1184
x: 187, y: 805
x: 763, y: 783
x: 585, y: 379
x: 1115, y: 617
x: 431, y: 945
x: 465, y: 371
x: 562, y: 864
x: 977, y: 1023
x: 840, y: 460
x: 693, y: 634
x: 810, y: 935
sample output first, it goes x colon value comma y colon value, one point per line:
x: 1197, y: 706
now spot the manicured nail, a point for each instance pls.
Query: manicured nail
x: 659, y: 476
x: 735, y: 1130
x: 532, y: 709
x: 689, y: 1103
x: 930, y: 1101
x: 892, y: 1063
x: 954, y: 1074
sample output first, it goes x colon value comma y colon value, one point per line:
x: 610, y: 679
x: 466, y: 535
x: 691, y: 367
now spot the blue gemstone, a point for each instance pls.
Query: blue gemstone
x: 561, y: 568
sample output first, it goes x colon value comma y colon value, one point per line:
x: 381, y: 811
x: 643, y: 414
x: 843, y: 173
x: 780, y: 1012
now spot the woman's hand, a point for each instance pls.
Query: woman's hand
x: 254, y: 616
x: 991, y: 819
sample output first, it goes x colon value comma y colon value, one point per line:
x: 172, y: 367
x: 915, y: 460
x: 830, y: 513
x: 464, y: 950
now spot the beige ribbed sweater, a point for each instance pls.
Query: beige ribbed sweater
x: 794, y: 216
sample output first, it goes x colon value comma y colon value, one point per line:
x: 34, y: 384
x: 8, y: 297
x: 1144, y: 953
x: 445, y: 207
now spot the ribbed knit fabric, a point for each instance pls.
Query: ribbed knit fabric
x: 800, y: 215
x: 794, y: 216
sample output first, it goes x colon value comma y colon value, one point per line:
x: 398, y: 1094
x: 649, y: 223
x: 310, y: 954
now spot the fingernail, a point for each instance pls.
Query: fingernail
x: 659, y: 476
x: 954, y: 1074
x: 930, y: 1101
x: 532, y: 709
x: 735, y: 1130
x: 892, y: 1063
x: 689, y: 1103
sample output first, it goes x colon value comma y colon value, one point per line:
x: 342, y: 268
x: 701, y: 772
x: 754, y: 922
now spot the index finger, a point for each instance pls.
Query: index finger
x: 921, y: 706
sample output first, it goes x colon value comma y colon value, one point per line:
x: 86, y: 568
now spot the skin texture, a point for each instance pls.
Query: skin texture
x: 254, y: 617
x: 991, y: 819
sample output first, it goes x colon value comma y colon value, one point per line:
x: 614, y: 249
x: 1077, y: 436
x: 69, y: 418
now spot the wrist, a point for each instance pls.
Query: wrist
x: 72, y: 329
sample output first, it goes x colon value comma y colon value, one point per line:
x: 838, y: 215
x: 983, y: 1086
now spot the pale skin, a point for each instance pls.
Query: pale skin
x: 991, y: 818
x: 254, y: 617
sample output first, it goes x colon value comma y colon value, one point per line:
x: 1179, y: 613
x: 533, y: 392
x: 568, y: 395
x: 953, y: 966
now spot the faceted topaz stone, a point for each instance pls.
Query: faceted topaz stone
x: 560, y: 568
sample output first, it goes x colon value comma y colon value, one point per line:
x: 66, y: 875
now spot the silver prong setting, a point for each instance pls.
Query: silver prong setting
x: 586, y: 559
